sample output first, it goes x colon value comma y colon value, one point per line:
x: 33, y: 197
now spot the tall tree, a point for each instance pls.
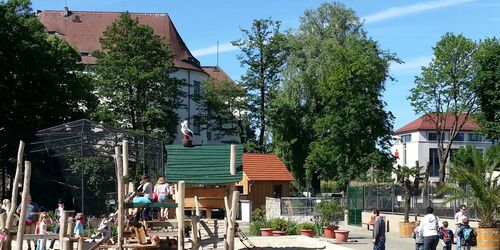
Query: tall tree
x: 133, y: 79
x: 40, y: 80
x: 225, y: 103
x: 329, y: 121
x: 487, y: 86
x: 443, y: 93
x: 263, y: 49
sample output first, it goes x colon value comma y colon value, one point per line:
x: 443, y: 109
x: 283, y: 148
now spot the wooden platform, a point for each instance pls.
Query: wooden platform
x: 151, y: 205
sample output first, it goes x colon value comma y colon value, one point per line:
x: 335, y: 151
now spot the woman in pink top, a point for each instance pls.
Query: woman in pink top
x: 162, y: 191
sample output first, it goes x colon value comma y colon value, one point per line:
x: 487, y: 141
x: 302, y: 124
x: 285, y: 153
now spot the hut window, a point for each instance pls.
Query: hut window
x: 278, y: 191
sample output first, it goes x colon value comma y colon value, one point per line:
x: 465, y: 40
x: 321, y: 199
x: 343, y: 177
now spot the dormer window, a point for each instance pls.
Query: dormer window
x: 52, y: 33
x: 84, y: 53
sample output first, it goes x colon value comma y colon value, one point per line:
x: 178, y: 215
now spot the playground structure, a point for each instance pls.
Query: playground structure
x: 129, y: 236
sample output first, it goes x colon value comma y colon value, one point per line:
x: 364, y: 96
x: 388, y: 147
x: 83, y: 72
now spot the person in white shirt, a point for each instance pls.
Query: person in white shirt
x: 459, y: 217
x: 58, y: 212
x: 429, y: 229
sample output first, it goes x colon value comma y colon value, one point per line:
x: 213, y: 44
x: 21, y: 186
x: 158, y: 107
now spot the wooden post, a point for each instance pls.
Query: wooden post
x: 125, y: 165
x: 66, y: 244
x: 194, y: 230
x: 232, y: 160
x: 197, y: 206
x: 232, y: 220
x: 181, y: 187
x: 216, y: 233
x: 3, y: 219
x: 15, y: 186
x: 63, y: 223
x: 70, y: 230
x: 80, y: 243
x: 119, y: 180
x: 24, y: 204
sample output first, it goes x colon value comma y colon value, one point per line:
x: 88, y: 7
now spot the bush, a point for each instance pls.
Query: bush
x: 318, y: 228
x: 259, y: 213
x: 279, y: 224
x: 255, y: 227
x: 330, y: 212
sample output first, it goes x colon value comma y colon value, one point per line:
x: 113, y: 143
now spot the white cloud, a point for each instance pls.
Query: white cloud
x: 414, y: 8
x: 225, y: 47
x: 414, y: 64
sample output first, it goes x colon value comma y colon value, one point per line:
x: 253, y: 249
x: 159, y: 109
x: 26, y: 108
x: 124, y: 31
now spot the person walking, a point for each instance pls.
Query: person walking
x: 429, y: 227
x: 30, y: 219
x: 459, y: 217
x: 417, y: 235
x: 78, y: 229
x: 447, y: 236
x: 161, y: 189
x: 466, y: 235
x: 58, y: 213
x: 378, y: 232
x: 42, y: 226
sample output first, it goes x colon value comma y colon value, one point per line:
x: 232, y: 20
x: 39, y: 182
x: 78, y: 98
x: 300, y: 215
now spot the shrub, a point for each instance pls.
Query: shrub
x: 259, y: 213
x: 318, y: 228
x: 307, y: 226
x: 255, y: 227
x: 279, y: 224
x: 330, y: 212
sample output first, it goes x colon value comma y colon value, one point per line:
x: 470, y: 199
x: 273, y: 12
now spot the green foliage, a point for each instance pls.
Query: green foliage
x: 133, y: 76
x: 318, y: 228
x: 41, y: 85
x: 408, y: 177
x: 482, y: 183
x: 330, y: 212
x: 487, y: 86
x: 225, y: 103
x: 280, y: 224
x: 98, y: 174
x: 264, y: 51
x: 256, y: 225
x: 259, y: 213
x: 292, y: 228
x: 307, y: 226
x: 316, y: 117
x: 444, y: 89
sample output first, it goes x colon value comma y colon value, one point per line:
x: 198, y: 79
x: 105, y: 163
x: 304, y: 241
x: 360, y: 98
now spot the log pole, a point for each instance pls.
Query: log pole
x: 15, y: 186
x: 120, y: 196
x: 24, y: 204
x: 181, y: 188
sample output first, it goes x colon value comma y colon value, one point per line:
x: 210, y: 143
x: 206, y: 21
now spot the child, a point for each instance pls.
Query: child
x: 78, y: 230
x: 3, y: 237
x: 41, y: 229
x: 466, y: 235
x: 447, y: 236
x: 417, y: 235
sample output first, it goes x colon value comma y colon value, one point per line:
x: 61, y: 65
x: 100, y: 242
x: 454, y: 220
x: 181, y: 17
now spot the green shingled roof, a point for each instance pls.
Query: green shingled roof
x: 206, y: 164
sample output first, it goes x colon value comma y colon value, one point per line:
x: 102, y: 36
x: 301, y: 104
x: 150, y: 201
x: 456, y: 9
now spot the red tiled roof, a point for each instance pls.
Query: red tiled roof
x: 82, y: 30
x: 425, y: 123
x: 217, y: 73
x: 265, y: 167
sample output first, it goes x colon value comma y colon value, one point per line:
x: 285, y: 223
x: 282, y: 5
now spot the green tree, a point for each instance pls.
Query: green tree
x: 443, y: 92
x: 225, y: 103
x: 41, y: 84
x: 329, y: 115
x: 133, y: 79
x: 487, y: 86
x: 264, y: 50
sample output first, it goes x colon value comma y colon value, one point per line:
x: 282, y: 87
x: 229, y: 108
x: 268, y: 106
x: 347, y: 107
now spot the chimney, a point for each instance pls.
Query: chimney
x: 66, y: 12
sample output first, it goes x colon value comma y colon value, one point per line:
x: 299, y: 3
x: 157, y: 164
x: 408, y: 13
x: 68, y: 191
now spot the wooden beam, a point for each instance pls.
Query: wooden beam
x: 181, y: 188
x: 24, y: 204
x: 120, y: 196
x: 232, y: 220
x: 232, y: 160
x: 63, y: 225
x: 15, y: 186
x: 194, y: 230
x: 125, y: 165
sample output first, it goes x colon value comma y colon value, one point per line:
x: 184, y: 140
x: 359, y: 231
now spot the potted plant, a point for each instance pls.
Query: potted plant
x: 481, y: 190
x: 408, y: 178
x: 307, y: 229
x: 279, y: 226
x: 330, y: 214
x: 260, y: 227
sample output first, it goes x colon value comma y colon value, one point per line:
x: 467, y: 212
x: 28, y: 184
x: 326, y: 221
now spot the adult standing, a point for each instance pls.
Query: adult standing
x: 429, y: 228
x: 58, y: 213
x: 29, y: 220
x: 147, y: 187
x: 378, y: 232
x: 459, y: 217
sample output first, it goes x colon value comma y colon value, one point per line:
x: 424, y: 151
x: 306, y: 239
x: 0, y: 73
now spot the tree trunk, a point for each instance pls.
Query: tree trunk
x: 262, y: 115
x: 407, y: 186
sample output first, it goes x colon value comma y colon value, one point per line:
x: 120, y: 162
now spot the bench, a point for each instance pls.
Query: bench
x: 372, y: 223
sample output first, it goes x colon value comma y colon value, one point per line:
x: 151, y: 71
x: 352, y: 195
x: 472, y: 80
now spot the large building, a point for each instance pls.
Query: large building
x: 417, y: 141
x: 82, y: 30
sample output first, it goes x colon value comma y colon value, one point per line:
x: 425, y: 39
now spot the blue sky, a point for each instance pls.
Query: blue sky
x: 408, y: 28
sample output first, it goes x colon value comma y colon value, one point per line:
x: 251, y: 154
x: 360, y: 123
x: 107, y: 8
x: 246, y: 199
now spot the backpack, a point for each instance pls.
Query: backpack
x: 446, y: 236
x: 469, y: 236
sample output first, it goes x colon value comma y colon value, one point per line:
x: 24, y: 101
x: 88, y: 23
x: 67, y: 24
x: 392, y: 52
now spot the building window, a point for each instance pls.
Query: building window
x: 475, y: 137
x: 278, y: 191
x: 404, y: 156
x: 459, y: 137
x: 433, y: 162
x: 196, y: 125
x: 432, y: 136
x: 406, y: 138
x: 197, y: 87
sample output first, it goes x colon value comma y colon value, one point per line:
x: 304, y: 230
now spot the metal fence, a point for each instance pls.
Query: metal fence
x: 304, y: 208
x: 390, y: 199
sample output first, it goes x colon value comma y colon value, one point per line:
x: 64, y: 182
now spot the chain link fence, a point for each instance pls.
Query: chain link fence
x: 304, y: 208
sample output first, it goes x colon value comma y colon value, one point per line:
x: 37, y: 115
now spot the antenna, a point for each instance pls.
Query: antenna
x: 217, y: 54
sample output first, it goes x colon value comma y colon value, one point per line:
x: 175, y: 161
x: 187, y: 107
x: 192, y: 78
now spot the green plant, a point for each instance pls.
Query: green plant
x: 259, y: 213
x: 408, y: 178
x: 279, y: 224
x: 482, y: 189
x: 318, y: 228
x: 256, y: 225
x: 292, y: 228
x: 330, y: 212
x: 307, y: 226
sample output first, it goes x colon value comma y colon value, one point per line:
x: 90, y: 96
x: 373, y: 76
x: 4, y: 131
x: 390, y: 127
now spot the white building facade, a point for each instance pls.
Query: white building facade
x: 417, y: 141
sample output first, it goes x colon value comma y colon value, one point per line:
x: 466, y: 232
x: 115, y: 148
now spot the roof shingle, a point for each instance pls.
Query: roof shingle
x: 265, y: 167
x: 425, y: 123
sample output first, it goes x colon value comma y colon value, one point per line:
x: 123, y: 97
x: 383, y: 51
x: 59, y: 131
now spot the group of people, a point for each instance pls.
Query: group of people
x: 430, y: 230
x: 38, y: 222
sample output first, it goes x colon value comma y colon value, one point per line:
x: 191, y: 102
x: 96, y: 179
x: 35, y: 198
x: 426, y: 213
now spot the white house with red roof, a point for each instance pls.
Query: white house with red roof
x: 83, y: 29
x: 416, y: 141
